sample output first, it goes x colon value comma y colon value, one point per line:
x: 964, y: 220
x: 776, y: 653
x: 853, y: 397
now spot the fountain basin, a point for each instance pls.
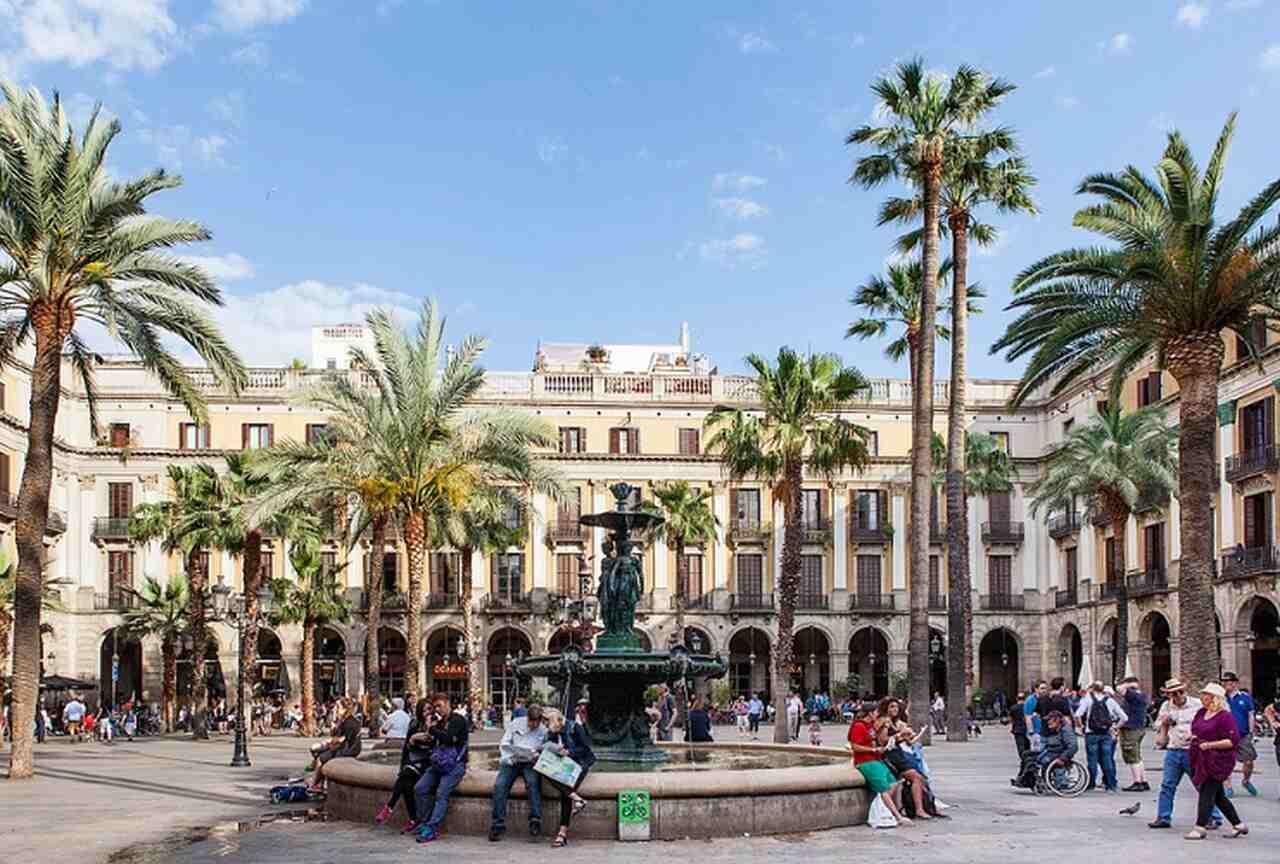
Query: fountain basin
x: 715, y: 802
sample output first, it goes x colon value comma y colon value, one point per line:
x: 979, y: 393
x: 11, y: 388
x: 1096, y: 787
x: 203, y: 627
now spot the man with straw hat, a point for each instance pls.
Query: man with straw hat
x: 1173, y: 735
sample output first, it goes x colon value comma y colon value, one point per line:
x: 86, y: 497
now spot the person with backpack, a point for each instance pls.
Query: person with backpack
x: 1102, y: 717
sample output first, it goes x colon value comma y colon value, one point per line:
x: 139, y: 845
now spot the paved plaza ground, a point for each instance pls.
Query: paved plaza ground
x: 174, y: 800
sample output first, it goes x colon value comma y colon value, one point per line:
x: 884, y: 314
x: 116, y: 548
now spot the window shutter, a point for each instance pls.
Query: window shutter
x: 734, y: 513
x: 883, y: 508
x: 1269, y: 420
x: 244, y: 436
x: 582, y: 440
x: 1000, y: 507
x: 613, y: 440
x: 1157, y: 385
x: 182, y: 436
x: 1266, y: 529
x: 4, y: 473
x: 822, y: 505
x: 271, y: 434
x: 635, y: 441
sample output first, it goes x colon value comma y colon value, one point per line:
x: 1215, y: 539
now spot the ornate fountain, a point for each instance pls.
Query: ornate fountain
x: 619, y: 671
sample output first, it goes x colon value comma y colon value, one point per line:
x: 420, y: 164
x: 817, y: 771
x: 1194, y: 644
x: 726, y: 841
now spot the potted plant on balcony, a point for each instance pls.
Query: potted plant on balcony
x: 597, y: 354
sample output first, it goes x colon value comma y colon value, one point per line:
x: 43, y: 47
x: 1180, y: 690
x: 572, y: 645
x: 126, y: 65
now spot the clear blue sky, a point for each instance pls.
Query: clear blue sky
x: 602, y: 171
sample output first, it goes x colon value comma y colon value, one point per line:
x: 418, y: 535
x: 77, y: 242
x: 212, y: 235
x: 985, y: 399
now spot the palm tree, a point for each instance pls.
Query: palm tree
x: 1117, y: 463
x: 182, y: 525
x: 687, y: 520
x: 8, y: 567
x: 1173, y: 281
x: 162, y: 611
x: 970, y: 180
x: 926, y: 115
x: 315, y: 600
x: 794, y: 430
x: 76, y: 249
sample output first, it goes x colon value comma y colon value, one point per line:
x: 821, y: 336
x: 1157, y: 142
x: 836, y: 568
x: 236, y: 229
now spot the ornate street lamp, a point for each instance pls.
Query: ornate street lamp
x: 234, y: 609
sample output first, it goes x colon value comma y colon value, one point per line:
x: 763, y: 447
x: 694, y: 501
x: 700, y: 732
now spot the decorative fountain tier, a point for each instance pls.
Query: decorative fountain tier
x: 619, y: 671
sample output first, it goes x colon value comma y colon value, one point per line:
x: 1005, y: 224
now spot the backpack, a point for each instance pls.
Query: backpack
x: 1099, y: 716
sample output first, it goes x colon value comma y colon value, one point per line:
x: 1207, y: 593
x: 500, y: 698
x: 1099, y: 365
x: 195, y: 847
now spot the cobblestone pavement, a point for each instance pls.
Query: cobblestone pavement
x: 174, y: 800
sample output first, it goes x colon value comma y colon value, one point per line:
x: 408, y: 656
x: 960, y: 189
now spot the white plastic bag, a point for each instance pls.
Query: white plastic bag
x: 880, y: 816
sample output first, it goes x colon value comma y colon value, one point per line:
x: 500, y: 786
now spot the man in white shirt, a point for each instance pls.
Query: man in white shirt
x: 1173, y: 735
x: 73, y: 717
x: 1101, y: 716
x: 518, y: 751
x: 397, y: 723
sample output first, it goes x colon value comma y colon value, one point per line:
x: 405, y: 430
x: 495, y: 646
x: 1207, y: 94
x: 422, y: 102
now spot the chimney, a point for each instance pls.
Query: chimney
x: 684, y: 336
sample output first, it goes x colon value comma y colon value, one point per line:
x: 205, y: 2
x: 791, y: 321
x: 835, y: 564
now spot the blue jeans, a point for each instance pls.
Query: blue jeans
x: 507, y: 775
x: 431, y: 794
x: 1100, y: 749
x: 1176, y: 763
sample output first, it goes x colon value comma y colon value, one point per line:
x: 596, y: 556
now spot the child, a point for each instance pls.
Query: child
x: 815, y: 731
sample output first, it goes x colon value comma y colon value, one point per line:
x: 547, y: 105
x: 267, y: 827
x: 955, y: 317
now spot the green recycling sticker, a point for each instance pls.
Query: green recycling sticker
x: 633, y: 806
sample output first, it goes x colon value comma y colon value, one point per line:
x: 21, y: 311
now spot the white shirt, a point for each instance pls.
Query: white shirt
x: 1113, y: 708
x: 1180, y: 721
x: 939, y: 705
x: 397, y: 724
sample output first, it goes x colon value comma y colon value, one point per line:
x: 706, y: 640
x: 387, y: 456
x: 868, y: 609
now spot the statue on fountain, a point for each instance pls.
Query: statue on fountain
x: 621, y: 584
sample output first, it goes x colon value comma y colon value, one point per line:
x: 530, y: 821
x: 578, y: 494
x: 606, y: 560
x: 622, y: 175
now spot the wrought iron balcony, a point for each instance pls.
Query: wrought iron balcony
x: 871, y: 603
x: 937, y: 602
x: 875, y: 535
x: 444, y: 601
x: 1150, y: 581
x: 110, y: 528
x: 566, y: 531
x: 751, y: 602
x: 1250, y: 463
x: 748, y: 531
x: 507, y: 602
x: 996, y: 602
x: 1064, y: 598
x: 1245, y: 563
x: 117, y: 599
x: 813, y: 601
x: 701, y: 601
x: 1064, y: 525
x: 1003, y: 531
x: 816, y: 533
x: 1109, y: 590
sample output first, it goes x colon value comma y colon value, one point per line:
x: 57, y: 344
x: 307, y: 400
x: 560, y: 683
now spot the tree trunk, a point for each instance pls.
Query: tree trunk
x: 248, y: 671
x: 682, y: 704
x: 1120, y: 650
x: 959, y: 593
x: 1194, y: 361
x: 788, y: 589
x: 169, y: 685
x: 6, y: 630
x: 415, y: 543
x: 922, y: 458
x: 475, y: 686
x: 199, y: 580
x: 373, y: 620
x: 308, y: 678
x: 51, y: 326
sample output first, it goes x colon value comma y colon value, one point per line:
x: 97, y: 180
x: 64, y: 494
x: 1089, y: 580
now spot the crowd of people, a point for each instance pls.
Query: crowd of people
x: 73, y: 719
x: 888, y: 754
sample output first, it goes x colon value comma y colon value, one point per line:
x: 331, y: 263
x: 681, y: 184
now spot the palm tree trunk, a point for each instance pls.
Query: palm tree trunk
x: 373, y: 621
x: 51, y: 326
x: 169, y: 685
x: 198, y: 580
x: 252, y: 561
x: 474, y: 686
x: 959, y: 594
x: 308, y: 678
x: 1194, y: 361
x: 681, y: 579
x: 415, y: 543
x: 922, y: 456
x: 6, y: 625
x: 1121, y: 649
x: 788, y: 588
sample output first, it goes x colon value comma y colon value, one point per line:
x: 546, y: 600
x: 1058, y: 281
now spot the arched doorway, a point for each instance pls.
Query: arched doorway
x: 1264, y: 650
x: 749, y: 658
x: 1070, y: 654
x: 330, y: 666
x: 272, y: 677
x: 869, y: 662
x: 937, y: 662
x: 998, y: 665
x: 446, y: 671
x: 1155, y: 633
x: 392, y: 652
x: 214, y: 682
x: 568, y: 635
x: 1105, y: 672
x: 505, y: 647
x: 812, y: 653
x: 119, y: 668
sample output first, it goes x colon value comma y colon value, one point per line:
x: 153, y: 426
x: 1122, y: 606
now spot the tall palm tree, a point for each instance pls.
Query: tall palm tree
x: 795, y: 430
x: 8, y: 569
x: 925, y: 115
x: 688, y: 519
x: 182, y: 525
x: 1115, y: 463
x: 316, y: 599
x: 987, y: 172
x: 1172, y: 281
x: 77, y: 249
x: 162, y: 611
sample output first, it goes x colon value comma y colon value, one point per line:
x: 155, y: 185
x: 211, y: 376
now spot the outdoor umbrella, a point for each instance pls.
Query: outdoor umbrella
x: 1085, y: 678
x: 1128, y: 667
x: 62, y: 682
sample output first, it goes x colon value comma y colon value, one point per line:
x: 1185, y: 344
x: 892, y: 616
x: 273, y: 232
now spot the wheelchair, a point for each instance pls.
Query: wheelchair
x: 1065, y: 781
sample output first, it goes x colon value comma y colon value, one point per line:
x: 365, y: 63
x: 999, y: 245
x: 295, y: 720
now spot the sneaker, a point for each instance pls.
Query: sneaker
x: 1231, y: 792
x: 1250, y: 788
x: 535, y: 828
x: 383, y: 815
x: 1134, y: 787
x: 427, y: 834
x: 495, y: 834
x: 409, y: 827
x: 1159, y: 823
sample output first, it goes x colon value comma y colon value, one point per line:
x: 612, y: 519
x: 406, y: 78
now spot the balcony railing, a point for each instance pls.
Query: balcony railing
x: 1250, y: 463
x: 937, y: 602
x: 815, y: 533
x: 871, y: 602
x: 813, y: 601
x: 1064, y: 598
x: 1150, y: 581
x: 1003, y: 531
x: 1109, y: 590
x: 443, y: 601
x: 700, y: 601
x: 506, y: 602
x: 566, y: 531
x: 117, y: 599
x: 995, y: 602
x: 1064, y: 525
x: 748, y: 532
x: 1245, y: 563
x: 110, y: 528
x: 751, y: 602
x: 874, y: 535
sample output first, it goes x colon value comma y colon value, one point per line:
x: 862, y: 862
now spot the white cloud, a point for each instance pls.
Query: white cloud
x: 552, y: 149
x: 1192, y: 14
x: 1240, y: 5
x: 210, y: 148
x: 740, y: 250
x: 124, y: 34
x: 270, y: 328
x: 755, y: 43
x: 255, y: 54
x: 728, y: 181
x: 1003, y: 238
x: 1067, y: 103
x: 175, y: 144
x: 741, y: 209
x: 1046, y: 72
x: 1270, y: 57
x: 246, y: 14
x: 1120, y: 43
x: 229, y: 107
x: 858, y: 40
x: 231, y: 267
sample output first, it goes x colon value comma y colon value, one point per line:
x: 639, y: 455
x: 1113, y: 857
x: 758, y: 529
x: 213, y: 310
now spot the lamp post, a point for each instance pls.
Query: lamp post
x: 233, y: 609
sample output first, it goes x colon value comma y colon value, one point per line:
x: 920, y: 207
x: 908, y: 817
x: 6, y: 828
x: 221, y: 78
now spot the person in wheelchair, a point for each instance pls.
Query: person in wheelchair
x: 1058, y: 746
